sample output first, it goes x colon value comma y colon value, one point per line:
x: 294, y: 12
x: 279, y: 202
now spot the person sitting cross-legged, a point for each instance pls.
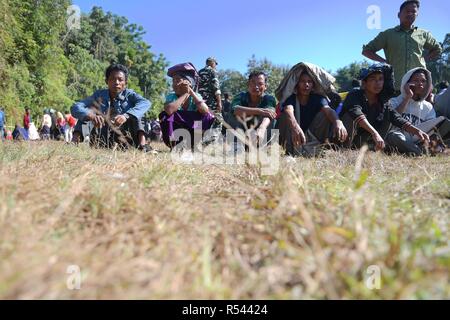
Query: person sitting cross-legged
x: 412, y: 105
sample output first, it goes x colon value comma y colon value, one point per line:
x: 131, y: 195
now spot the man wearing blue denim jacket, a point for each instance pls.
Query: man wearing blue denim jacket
x: 112, y: 115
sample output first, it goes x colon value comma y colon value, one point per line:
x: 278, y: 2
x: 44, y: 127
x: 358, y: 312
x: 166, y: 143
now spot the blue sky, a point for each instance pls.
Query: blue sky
x: 327, y: 33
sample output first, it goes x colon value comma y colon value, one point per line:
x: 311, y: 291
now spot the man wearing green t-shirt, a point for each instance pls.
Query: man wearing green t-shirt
x: 253, y: 109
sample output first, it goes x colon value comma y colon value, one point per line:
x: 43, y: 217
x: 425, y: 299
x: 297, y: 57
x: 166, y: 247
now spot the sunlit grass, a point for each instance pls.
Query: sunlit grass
x: 140, y: 226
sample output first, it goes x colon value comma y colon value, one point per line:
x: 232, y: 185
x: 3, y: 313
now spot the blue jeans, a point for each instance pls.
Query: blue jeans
x: 2, y: 134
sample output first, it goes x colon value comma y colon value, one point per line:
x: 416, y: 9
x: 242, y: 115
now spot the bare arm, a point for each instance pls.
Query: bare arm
x: 338, y: 127
x: 331, y: 115
x: 242, y: 112
x: 172, y: 107
x: 407, y: 98
x: 433, y: 55
x: 200, y: 103
x: 298, y: 136
x: 380, y: 145
x: 373, y: 56
x: 246, y: 111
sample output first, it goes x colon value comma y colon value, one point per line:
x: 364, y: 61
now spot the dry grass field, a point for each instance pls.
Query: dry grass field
x: 139, y: 226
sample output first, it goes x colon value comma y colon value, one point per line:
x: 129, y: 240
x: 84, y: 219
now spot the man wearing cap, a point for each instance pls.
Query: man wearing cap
x: 405, y: 44
x: 368, y: 117
x: 209, y: 86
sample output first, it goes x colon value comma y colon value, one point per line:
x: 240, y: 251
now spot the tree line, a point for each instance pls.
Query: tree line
x: 43, y: 64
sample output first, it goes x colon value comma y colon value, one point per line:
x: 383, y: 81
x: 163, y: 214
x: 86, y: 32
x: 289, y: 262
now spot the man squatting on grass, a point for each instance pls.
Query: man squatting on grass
x: 123, y: 107
x: 254, y: 108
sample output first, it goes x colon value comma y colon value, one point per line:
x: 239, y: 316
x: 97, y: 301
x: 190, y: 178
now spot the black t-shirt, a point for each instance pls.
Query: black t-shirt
x: 357, y: 106
x: 307, y: 113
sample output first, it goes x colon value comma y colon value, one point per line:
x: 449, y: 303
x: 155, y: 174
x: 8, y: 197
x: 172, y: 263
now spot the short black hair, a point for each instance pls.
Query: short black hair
x: 257, y: 73
x: 114, y: 68
x: 404, y: 4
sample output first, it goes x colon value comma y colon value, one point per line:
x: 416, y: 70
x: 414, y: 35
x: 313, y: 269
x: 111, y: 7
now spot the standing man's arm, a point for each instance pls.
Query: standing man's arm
x: 434, y: 48
x: 370, y: 50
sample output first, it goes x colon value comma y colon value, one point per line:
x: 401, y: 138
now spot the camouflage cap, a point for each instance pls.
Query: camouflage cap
x: 211, y: 59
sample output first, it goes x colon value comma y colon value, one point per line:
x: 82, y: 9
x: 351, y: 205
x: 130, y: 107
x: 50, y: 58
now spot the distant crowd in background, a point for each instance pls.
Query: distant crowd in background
x: 54, y: 125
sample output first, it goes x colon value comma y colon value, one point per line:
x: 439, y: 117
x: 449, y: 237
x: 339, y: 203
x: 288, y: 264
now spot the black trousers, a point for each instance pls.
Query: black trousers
x: 106, y: 137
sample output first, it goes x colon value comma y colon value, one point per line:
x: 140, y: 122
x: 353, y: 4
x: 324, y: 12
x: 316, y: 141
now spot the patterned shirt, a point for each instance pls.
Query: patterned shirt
x: 209, y: 86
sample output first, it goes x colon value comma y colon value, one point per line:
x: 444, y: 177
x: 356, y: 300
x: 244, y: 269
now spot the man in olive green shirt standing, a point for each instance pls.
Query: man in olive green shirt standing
x: 404, y: 45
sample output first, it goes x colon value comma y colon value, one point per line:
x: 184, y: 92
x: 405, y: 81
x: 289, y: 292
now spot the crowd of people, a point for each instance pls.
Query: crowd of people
x: 392, y: 106
x: 53, y: 125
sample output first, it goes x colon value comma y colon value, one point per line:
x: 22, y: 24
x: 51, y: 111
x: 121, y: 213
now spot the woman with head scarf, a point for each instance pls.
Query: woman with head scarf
x: 184, y: 110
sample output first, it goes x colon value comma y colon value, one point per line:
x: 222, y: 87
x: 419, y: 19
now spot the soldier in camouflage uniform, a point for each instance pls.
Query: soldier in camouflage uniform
x: 209, y: 88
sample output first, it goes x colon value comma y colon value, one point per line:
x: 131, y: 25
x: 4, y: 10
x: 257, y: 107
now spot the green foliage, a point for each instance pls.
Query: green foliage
x: 233, y: 81
x: 440, y: 69
x: 345, y: 75
x: 43, y: 64
x: 274, y: 72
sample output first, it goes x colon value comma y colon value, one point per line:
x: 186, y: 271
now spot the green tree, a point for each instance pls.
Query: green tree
x: 232, y: 82
x: 275, y: 73
x: 440, y: 69
x: 43, y: 64
x: 345, y: 75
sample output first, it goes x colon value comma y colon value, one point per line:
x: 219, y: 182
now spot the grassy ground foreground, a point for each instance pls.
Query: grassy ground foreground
x: 141, y: 227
